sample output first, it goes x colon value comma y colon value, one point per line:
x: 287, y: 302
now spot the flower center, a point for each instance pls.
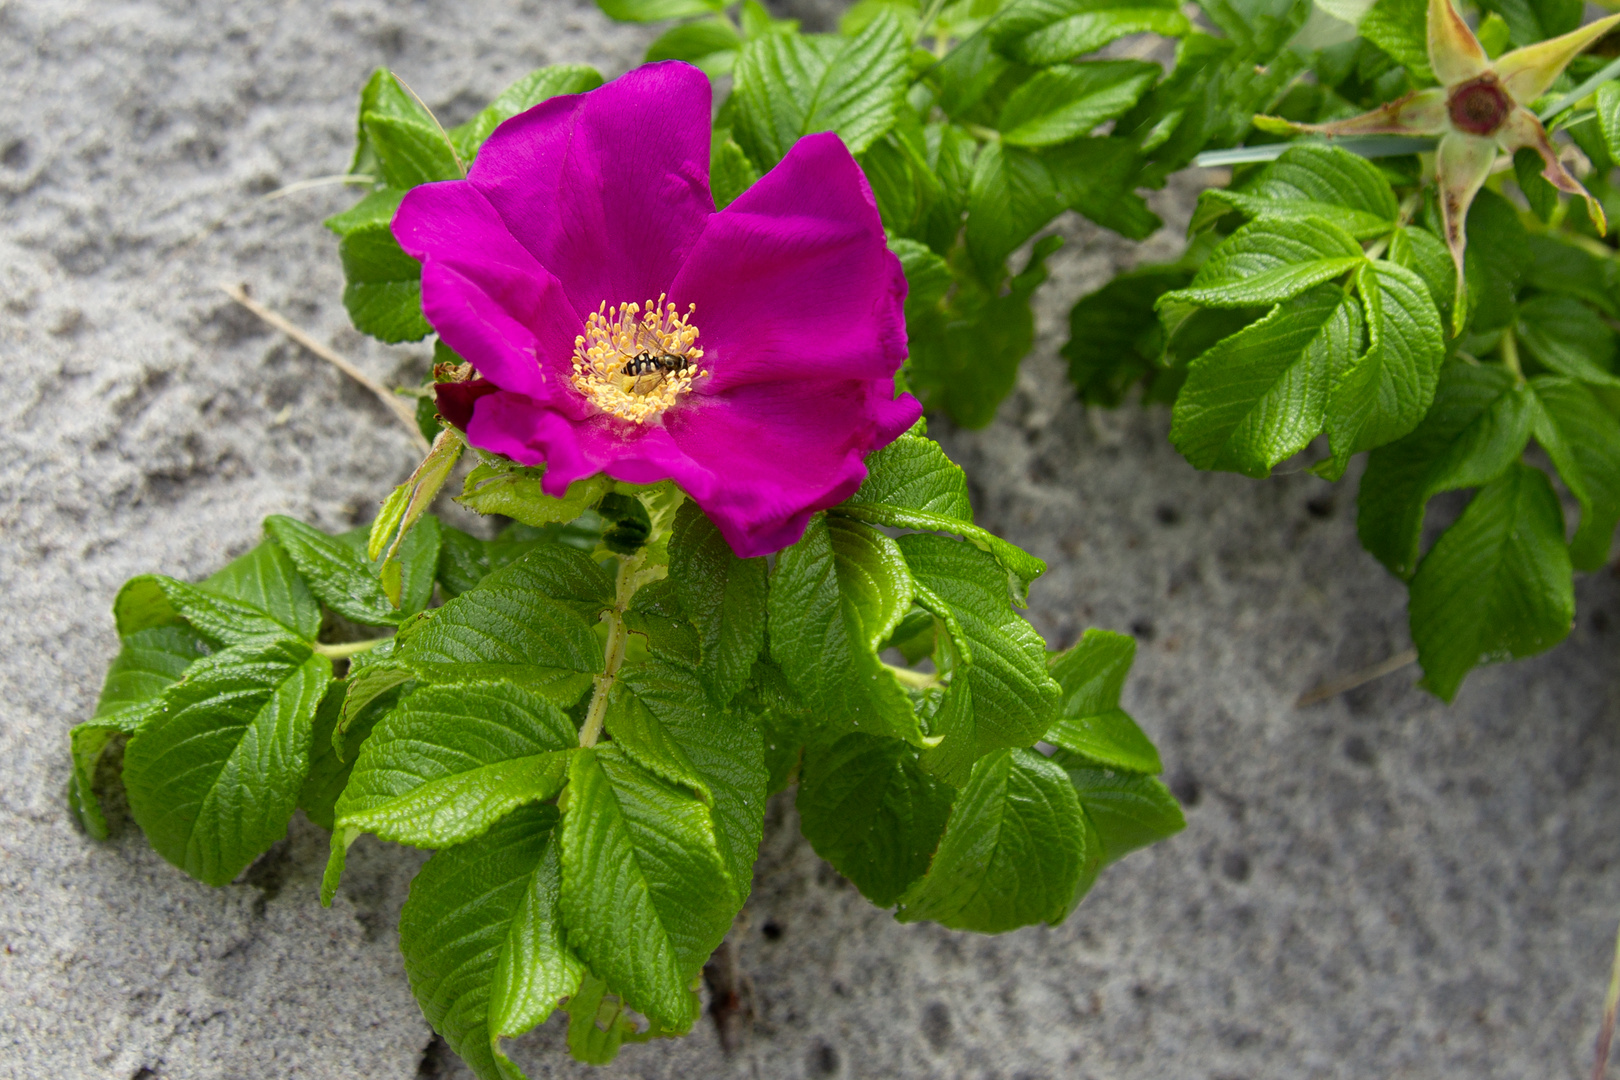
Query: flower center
x: 1479, y: 106
x: 635, y: 361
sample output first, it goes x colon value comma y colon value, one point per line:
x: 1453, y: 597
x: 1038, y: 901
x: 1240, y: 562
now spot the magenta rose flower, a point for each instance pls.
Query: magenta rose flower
x: 621, y: 325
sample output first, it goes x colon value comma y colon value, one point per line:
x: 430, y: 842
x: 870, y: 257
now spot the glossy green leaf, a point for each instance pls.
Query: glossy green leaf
x: 411, y: 150
x: 483, y: 943
x: 1053, y: 31
x: 1012, y: 194
x: 1061, y: 103
x: 835, y: 597
x: 1126, y: 811
x: 214, y: 775
x: 646, y: 894
x: 336, y: 572
x: 1608, y: 110
x: 1583, y: 439
x: 516, y: 493
x: 1400, y: 28
x: 722, y: 595
x: 786, y: 86
x: 1268, y: 261
x: 730, y: 171
x: 1320, y: 182
x: 260, y: 595
x: 868, y: 808
x: 1557, y: 266
x: 1090, y: 722
x: 911, y: 484
x: 1476, y: 429
x: 331, y: 759
x: 383, y: 285
x: 1014, y: 851
x: 1260, y: 396
x: 1496, y: 585
x: 657, y: 10
x: 996, y: 654
x: 1098, y: 177
x: 1114, y: 338
x: 1569, y: 338
x: 1383, y: 394
x: 710, y: 44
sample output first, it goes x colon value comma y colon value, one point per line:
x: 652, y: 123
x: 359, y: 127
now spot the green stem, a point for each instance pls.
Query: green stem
x: 917, y: 680
x: 979, y: 131
x: 347, y: 648
x: 631, y: 576
x: 1610, y: 70
x: 1510, y: 354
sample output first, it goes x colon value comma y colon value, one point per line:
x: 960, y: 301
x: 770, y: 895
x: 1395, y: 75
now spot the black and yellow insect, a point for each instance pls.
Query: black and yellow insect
x: 643, y: 372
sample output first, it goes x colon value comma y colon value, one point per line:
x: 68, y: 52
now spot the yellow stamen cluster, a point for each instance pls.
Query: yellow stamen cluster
x: 615, y: 338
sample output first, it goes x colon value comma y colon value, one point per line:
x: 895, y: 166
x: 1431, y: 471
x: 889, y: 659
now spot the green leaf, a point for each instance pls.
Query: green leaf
x: 214, y: 776
x: 730, y: 171
x: 1062, y: 102
x: 786, y: 86
x: 1127, y: 811
x: 384, y: 97
x: 1260, y: 396
x: 869, y: 809
x: 516, y: 492
x: 449, y: 761
x: 1496, y: 585
x: 374, y: 211
x: 911, y: 484
x: 783, y: 719
x: 1425, y: 254
x: 1014, y: 852
x: 710, y: 44
x: 657, y: 10
x: 1583, y: 440
x: 1497, y: 257
x: 1476, y: 429
x: 1569, y: 338
x: 1114, y: 338
x: 1400, y: 28
x: 1091, y: 724
x: 537, y: 86
x: 1320, y: 182
x: 1053, y: 31
x: 997, y: 655
x: 1541, y: 195
x: 1011, y: 195
x: 724, y: 597
x: 257, y: 596
x: 1559, y: 267
x: 835, y: 597
x: 337, y: 574
x: 1097, y: 177
x: 483, y: 943
x: 330, y: 761
x: 150, y: 661
x: 1608, y: 110
x: 1381, y: 396
x: 664, y: 720
x: 1266, y: 261
x: 411, y: 151
x: 646, y: 894
x: 597, y: 1023
x: 383, y: 285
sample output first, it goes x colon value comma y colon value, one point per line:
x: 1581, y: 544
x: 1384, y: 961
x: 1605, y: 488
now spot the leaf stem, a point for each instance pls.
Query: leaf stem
x: 917, y: 680
x: 347, y: 648
x: 1510, y: 355
x: 631, y: 576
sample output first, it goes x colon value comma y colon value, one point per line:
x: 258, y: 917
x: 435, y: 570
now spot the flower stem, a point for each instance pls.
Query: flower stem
x: 1510, y: 354
x: 347, y: 648
x: 631, y: 576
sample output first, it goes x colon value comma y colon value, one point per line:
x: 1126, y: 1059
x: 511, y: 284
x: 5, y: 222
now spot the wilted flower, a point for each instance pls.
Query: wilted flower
x: 620, y: 325
x: 1479, y: 108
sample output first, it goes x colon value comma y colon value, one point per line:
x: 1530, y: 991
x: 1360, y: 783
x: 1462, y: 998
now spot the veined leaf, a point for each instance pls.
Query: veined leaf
x: 339, y: 575
x: 1014, y: 852
x: 1098, y: 177
x: 1011, y: 195
x: 1496, y: 585
x: 709, y: 44
x: 1476, y: 429
x: 835, y: 597
x: 1126, y: 811
x: 483, y: 942
x: 1053, y: 31
x: 150, y: 661
x: 1569, y: 338
x: 537, y: 86
x: 1381, y: 396
x: 646, y: 894
x: 868, y: 808
x: 259, y: 595
x: 383, y: 285
x: 1090, y: 722
x: 1321, y: 182
x: 722, y: 595
x: 213, y: 777
x: 1560, y: 267
x: 786, y: 86
x: 331, y: 761
x: 657, y: 10
x: 516, y: 493
x: 1583, y: 440
x: 410, y: 151
x: 996, y: 653
x: 1400, y: 28
x: 666, y: 722
x: 1268, y: 261
x: 1114, y: 338
x: 1061, y: 103
x: 911, y: 484
x: 1260, y: 396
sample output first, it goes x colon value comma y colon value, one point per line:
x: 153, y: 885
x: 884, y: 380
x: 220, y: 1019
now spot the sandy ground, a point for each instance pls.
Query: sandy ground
x: 1375, y: 887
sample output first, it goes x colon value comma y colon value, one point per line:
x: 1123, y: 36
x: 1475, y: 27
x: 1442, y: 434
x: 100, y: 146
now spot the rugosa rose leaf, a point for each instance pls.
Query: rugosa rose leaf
x: 621, y: 325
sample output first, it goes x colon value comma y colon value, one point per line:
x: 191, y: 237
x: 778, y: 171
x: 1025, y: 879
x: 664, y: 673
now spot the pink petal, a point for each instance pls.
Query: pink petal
x: 1454, y: 52
x: 1523, y: 129
x: 1528, y: 72
x: 484, y: 293
x: 609, y: 189
x: 1461, y: 164
x: 570, y: 447
x: 794, y: 281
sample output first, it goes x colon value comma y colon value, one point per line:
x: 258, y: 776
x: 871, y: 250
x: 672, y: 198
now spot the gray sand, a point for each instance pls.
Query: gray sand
x: 1374, y: 887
